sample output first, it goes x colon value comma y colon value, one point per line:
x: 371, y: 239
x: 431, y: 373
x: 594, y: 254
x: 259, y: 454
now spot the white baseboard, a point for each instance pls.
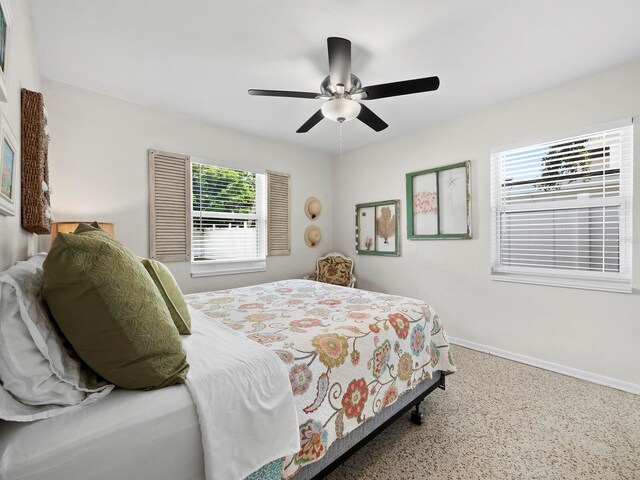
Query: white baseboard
x: 554, y: 367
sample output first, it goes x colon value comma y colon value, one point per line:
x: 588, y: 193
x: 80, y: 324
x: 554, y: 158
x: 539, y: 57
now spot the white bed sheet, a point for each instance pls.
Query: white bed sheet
x: 127, y: 435
x: 243, y: 397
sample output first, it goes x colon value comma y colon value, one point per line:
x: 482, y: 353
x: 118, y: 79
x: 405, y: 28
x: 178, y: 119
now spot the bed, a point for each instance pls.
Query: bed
x: 356, y: 360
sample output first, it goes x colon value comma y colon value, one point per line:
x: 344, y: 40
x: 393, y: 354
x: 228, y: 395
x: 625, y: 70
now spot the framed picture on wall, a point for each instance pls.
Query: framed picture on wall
x: 378, y: 228
x: 8, y: 169
x: 439, y: 203
x: 5, y: 33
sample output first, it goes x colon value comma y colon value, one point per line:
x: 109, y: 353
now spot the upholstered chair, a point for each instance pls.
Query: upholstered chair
x: 335, y: 269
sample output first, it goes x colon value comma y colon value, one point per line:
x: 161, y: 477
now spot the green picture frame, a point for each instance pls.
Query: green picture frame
x: 439, y: 203
x: 378, y: 228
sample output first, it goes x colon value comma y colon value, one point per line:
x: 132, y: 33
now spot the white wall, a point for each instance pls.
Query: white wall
x: 22, y: 72
x: 99, y: 170
x: 593, y: 331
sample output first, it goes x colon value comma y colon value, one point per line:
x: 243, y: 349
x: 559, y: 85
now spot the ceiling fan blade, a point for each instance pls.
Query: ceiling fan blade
x: 312, y: 122
x: 339, y: 61
x: 282, y: 93
x: 406, y: 87
x: 370, y: 119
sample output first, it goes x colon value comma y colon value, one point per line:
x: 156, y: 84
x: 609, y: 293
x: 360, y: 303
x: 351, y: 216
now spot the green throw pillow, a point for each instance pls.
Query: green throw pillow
x: 171, y: 294
x: 107, y: 306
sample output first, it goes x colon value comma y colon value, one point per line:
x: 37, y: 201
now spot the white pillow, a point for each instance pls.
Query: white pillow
x: 40, y: 376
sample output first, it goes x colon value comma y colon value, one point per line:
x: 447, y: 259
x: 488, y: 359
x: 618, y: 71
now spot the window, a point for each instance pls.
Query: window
x: 229, y: 221
x: 562, y: 211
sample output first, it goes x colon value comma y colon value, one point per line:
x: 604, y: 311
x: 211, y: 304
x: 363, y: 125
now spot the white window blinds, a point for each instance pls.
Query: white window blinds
x: 229, y: 218
x: 562, y: 211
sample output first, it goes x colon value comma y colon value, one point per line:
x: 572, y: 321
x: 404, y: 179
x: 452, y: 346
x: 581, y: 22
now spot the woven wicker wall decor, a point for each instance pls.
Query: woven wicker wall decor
x: 36, y: 200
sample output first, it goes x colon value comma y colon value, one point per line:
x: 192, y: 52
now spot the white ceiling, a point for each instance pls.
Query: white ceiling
x: 199, y: 57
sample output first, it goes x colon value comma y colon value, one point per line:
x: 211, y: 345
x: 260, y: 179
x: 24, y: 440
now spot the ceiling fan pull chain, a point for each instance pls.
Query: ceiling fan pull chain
x: 340, y: 142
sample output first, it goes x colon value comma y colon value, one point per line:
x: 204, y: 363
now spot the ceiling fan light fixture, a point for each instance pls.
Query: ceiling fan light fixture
x: 340, y: 109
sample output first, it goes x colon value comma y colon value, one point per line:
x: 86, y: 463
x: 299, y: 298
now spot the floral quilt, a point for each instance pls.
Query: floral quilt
x: 349, y: 352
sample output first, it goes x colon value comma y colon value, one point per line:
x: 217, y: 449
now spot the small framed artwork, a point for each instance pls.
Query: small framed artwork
x: 5, y: 31
x: 8, y: 169
x: 439, y: 203
x: 378, y: 228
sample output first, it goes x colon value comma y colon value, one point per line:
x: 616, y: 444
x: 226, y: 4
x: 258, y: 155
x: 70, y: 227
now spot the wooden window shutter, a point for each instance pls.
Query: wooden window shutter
x: 278, y: 213
x: 170, y: 204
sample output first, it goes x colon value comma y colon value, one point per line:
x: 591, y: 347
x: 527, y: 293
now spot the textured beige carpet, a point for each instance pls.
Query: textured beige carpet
x: 502, y: 419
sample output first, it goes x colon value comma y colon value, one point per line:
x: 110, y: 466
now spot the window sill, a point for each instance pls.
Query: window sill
x: 209, y: 269
x: 585, y: 282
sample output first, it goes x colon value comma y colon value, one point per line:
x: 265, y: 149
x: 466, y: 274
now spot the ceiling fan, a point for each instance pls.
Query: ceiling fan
x: 341, y: 89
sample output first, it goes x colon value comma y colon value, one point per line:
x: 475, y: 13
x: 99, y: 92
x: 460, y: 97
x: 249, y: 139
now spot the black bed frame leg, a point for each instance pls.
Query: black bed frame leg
x: 416, y: 416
